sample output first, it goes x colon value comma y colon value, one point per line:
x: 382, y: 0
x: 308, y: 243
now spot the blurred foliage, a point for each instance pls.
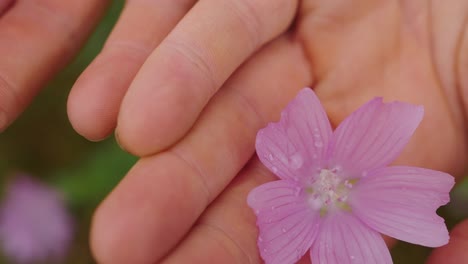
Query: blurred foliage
x: 43, y: 143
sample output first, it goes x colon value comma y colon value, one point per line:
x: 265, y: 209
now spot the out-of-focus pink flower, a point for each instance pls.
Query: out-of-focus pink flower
x: 336, y: 193
x: 34, y: 223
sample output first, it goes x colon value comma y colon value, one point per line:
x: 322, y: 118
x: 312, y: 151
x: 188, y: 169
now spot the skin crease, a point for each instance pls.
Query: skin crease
x: 185, y: 202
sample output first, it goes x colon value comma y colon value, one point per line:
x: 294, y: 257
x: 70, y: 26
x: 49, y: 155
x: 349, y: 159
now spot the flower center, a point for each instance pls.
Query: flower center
x: 329, y: 191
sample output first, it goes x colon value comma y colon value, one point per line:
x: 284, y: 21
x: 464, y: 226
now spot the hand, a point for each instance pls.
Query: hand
x: 37, y: 38
x: 178, y: 203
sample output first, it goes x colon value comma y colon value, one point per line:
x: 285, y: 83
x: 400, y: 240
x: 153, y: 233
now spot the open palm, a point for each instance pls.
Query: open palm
x: 185, y: 200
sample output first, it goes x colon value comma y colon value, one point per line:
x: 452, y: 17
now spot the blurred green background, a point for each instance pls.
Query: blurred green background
x: 43, y: 144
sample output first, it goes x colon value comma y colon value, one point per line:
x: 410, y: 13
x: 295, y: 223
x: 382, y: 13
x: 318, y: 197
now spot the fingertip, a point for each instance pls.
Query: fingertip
x: 150, y: 122
x: 86, y: 113
x: 94, y: 101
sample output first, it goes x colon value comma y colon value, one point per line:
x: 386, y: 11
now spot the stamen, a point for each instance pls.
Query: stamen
x: 329, y: 191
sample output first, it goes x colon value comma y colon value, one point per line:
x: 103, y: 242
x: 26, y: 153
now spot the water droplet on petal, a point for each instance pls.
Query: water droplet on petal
x: 260, y: 239
x: 273, y: 207
x: 318, y: 144
x: 283, y: 230
x: 270, y: 156
x: 257, y: 212
x: 274, y: 169
x: 352, y: 257
x: 269, y: 221
x: 364, y: 173
x: 296, y: 161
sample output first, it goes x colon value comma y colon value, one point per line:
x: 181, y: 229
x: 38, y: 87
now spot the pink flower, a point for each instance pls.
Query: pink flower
x: 336, y: 193
x: 35, y: 225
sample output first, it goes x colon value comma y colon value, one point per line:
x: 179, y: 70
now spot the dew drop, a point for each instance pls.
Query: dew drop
x: 318, y: 144
x: 352, y: 257
x: 257, y: 212
x: 270, y: 156
x: 269, y: 221
x: 274, y: 169
x: 296, y: 161
x: 364, y: 173
x: 260, y: 239
x: 283, y: 230
x: 273, y: 207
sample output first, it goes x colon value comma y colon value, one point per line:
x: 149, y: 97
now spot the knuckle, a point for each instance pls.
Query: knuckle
x: 202, y: 176
x: 232, y: 246
x: 263, y: 20
x: 249, y: 16
x: 193, y: 58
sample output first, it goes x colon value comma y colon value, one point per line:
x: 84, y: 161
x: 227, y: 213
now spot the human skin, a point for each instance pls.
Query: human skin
x: 193, y: 109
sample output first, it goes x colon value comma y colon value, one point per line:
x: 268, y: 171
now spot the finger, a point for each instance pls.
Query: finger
x: 189, y: 66
x: 141, y: 27
x: 38, y: 38
x: 455, y: 252
x: 226, y: 233
x: 163, y: 195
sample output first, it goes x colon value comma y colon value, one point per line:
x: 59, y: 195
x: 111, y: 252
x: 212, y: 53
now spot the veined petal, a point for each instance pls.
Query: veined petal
x: 344, y: 239
x: 402, y: 201
x: 297, y: 144
x: 287, y: 225
x: 374, y: 135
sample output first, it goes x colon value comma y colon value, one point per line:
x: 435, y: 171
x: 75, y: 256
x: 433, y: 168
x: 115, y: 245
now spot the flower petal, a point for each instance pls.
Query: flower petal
x: 298, y: 142
x: 402, y: 201
x: 345, y: 239
x: 287, y: 224
x: 374, y: 135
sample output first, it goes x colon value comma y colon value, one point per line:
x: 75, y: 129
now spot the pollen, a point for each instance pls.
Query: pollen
x: 330, y: 191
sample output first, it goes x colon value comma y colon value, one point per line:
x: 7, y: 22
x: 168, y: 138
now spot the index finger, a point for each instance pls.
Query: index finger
x: 191, y: 64
x: 37, y: 39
